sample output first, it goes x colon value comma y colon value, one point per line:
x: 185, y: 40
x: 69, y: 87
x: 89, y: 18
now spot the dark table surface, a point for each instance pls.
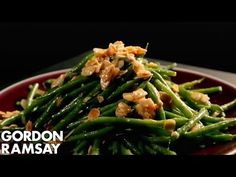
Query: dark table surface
x: 225, y: 76
x: 29, y: 48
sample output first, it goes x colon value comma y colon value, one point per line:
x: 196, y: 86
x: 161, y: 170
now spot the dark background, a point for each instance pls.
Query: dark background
x: 28, y: 47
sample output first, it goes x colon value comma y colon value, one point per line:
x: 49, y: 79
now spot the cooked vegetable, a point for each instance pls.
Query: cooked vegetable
x: 117, y: 102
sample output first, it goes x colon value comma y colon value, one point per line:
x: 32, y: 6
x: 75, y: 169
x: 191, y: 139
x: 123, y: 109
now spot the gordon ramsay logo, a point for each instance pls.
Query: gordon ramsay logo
x: 30, y: 142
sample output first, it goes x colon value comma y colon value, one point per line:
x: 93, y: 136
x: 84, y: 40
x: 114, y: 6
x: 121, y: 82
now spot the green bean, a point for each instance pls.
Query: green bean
x: 206, y: 118
x: 109, y: 112
x: 143, y: 85
x: 120, y: 90
x: 77, y: 69
x: 83, y: 88
x: 69, y: 117
x: 157, y: 76
x: 162, y: 71
x: 171, y: 66
x: 46, y: 115
x: 12, y: 129
x: 153, y: 93
x: 81, y: 145
x: 167, y: 72
x: 125, y: 151
x: 184, y: 129
x: 162, y: 150
x: 114, y: 148
x: 105, y: 93
x: 209, y: 90
x: 222, y: 137
x: 218, y: 109
x: 187, y: 95
x: 11, y: 120
x: 109, y: 106
x: 177, y: 101
x: 131, y: 147
x: 94, y: 91
x: 140, y: 146
x: 158, y: 139
x: 212, y: 119
x: 172, y: 115
x: 189, y: 85
x: 92, y: 134
x: 195, y: 104
x: 176, y: 111
x: 108, y: 91
x: 95, y: 150
x: 212, y: 127
x: 121, y: 121
x: 81, y: 64
x: 229, y: 105
x: 45, y: 98
x: 149, y: 150
x: 65, y: 110
x: 79, y: 105
x: 76, y: 123
x: 153, y: 125
x: 32, y: 94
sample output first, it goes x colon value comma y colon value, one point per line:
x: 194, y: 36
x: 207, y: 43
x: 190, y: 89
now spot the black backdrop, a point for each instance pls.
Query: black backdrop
x: 26, y: 48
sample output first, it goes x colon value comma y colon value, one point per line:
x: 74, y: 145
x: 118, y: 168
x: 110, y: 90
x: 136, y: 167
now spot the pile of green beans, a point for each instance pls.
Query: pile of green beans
x: 66, y: 107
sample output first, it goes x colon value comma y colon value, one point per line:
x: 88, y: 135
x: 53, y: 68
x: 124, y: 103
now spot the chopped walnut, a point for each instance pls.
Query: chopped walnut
x: 59, y: 101
x: 123, y: 110
x: 175, y: 88
x: 8, y: 114
x: 169, y: 125
x: 175, y: 135
x: 29, y: 126
x: 92, y: 66
x: 40, y: 92
x: 99, y: 52
x: 55, y: 142
x: 108, y: 62
x: 59, y: 81
x: 108, y: 74
x: 13, y: 126
x: 100, y: 98
x: 86, y: 99
x: 146, y: 108
x: 24, y: 103
x: 93, y: 113
x: 139, y: 68
x: 135, y: 96
x: 74, y: 78
x: 196, y: 127
x: 136, y: 50
x: 200, y: 97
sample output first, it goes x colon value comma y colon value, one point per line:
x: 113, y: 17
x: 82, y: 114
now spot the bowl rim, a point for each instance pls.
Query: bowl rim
x: 67, y: 69
x: 205, y: 75
x: 33, y: 78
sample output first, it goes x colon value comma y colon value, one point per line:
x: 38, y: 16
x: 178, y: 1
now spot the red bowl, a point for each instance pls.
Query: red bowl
x: 10, y: 95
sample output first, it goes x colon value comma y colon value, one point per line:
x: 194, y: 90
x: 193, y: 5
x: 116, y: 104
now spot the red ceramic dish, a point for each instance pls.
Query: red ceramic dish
x: 10, y: 95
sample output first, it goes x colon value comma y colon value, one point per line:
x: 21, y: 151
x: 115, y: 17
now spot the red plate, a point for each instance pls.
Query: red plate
x: 10, y: 95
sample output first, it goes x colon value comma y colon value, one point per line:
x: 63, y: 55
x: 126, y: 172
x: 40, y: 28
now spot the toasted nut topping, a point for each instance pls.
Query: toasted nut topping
x: 94, y: 113
x: 123, y: 110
